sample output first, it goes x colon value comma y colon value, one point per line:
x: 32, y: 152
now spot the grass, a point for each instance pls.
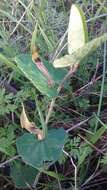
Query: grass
x: 80, y: 108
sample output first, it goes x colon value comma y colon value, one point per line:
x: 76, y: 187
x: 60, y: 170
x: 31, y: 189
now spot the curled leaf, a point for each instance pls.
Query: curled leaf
x: 77, y: 29
x: 30, y: 126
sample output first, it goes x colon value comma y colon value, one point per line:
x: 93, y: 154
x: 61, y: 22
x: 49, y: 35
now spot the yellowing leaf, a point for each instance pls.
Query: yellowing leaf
x: 77, y: 29
x: 81, y: 53
x: 34, y: 37
x: 30, y: 126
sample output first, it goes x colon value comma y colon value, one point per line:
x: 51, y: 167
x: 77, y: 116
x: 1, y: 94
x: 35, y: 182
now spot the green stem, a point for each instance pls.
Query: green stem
x: 69, y: 74
x: 44, y: 126
x: 102, y: 87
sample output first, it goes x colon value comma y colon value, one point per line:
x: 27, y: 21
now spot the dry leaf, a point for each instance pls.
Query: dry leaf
x: 30, y: 126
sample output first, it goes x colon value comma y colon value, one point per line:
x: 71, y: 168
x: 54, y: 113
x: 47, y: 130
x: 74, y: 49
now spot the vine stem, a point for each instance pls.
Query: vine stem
x: 52, y: 104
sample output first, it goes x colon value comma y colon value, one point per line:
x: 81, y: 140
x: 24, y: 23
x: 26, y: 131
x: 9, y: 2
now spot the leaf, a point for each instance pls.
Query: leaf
x: 81, y: 53
x: 22, y: 174
x: 34, y: 152
x: 77, y: 29
x: 30, y: 126
x: 24, y: 62
x: 53, y: 174
x: 25, y: 123
x: 43, y: 124
x: 34, y: 37
x: 97, y: 135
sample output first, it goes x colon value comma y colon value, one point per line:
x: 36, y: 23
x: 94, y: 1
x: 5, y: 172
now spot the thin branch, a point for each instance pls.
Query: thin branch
x: 78, y: 124
x: 93, y: 146
x: 8, y: 161
x: 18, y: 23
x: 75, y: 169
x: 88, y: 85
x: 96, y: 17
x: 59, y: 46
x: 36, y: 180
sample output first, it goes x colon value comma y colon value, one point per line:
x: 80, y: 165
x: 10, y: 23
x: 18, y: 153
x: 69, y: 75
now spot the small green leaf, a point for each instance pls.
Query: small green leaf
x: 97, y: 135
x: 22, y: 174
x: 35, y: 152
x: 77, y: 29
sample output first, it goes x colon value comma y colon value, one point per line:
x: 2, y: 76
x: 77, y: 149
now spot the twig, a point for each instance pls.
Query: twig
x: 96, y: 174
x: 93, y: 146
x: 96, y: 17
x: 36, y: 180
x: 29, y: 186
x: 78, y: 125
x: 8, y: 87
x: 18, y: 23
x: 97, y: 66
x: 57, y: 55
x: 75, y: 168
x: 88, y: 85
x: 59, y: 46
x: 8, y: 161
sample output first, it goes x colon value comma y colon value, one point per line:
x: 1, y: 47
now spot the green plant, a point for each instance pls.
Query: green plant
x: 22, y: 174
x: 7, y: 141
x: 42, y: 147
x: 6, y: 105
x: 49, y: 148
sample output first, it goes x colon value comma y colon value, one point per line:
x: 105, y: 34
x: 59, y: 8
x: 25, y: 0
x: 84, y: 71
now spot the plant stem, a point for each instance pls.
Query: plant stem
x: 69, y: 74
x: 102, y: 87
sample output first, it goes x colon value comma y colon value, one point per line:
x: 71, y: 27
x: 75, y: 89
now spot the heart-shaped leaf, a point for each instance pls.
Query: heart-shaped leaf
x: 77, y: 29
x: 22, y: 174
x: 34, y: 152
x: 26, y: 65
